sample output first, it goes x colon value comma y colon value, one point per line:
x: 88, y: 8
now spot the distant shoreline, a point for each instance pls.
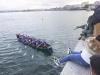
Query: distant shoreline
x: 40, y: 10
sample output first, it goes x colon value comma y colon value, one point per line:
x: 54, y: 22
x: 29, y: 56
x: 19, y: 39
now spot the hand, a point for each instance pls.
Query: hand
x: 76, y: 28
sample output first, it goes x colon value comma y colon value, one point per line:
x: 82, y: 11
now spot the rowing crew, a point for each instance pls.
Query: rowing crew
x: 32, y: 41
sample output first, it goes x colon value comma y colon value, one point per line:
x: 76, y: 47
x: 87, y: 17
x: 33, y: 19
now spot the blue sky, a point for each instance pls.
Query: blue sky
x: 37, y: 4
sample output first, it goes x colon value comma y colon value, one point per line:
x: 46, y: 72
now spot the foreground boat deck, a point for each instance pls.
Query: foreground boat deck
x: 72, y: 68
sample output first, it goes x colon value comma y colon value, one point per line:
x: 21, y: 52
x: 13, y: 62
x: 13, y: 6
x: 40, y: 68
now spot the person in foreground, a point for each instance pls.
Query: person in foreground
x: 95, y: 64
x: 92, y: 46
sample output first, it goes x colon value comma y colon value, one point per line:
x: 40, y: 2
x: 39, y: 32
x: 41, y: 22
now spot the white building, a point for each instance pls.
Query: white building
x: 84, y: 3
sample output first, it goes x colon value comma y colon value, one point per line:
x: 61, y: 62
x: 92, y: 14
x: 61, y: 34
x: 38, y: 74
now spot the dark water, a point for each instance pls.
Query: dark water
x: 56, y: 27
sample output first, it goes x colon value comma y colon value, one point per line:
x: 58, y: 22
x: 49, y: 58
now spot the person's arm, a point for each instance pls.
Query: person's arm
x: 82, y: 26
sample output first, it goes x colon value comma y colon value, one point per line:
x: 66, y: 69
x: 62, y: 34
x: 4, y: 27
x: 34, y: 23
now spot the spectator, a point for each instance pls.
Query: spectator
x: 92, y: 48
x: 93, y: 27
x: 95, y: 64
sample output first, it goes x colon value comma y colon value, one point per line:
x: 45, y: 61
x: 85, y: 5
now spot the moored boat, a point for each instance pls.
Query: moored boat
x: 38, y: 44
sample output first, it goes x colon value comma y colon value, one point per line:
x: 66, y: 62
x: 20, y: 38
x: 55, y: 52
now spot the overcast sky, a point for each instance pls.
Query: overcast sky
x: 37, y: 4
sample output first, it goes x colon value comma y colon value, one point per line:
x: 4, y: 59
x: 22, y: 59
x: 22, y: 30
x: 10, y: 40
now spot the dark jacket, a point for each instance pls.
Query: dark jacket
x: 95, y: 17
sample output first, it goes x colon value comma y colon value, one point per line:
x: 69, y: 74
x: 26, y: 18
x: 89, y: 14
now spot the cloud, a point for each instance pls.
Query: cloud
x: 36, y: 4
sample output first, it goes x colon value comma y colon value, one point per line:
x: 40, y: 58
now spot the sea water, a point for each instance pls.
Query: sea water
x: 56, y: 27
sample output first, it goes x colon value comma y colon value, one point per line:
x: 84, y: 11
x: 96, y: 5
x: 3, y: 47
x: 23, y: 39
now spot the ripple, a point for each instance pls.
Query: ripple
x: 24, y: 54
x: 2, y: 70
x: 9, y: 45
x: 56, y: 42
x: 16, y: 48
x: 25, y: 46
x: 20, y: 51
x: 10, y: 53
x: 6, y: 50
x: 32, y: 56
x: 16, y: 65
x: 2, y: 61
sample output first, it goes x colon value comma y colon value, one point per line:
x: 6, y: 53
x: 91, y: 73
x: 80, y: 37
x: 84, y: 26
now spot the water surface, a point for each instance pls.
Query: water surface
x: 56, y: 27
